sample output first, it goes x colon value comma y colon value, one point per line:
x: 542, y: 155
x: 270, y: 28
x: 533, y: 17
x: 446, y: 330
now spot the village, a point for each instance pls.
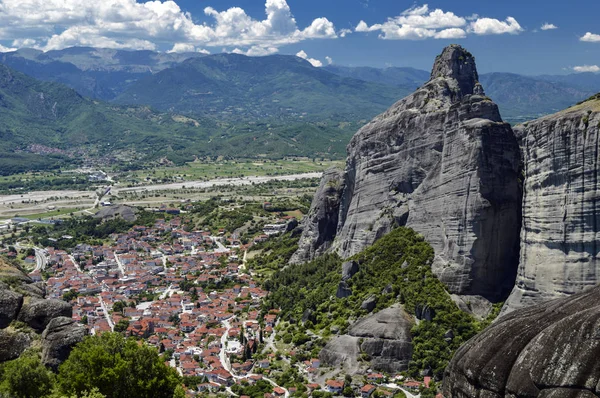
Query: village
x: 190, y: 294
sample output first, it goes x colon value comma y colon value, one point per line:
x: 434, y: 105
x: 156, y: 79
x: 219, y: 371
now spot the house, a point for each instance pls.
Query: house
x: 335, y: 386
x: 367, y: 390
x: 375, y: 378
x: 278, y: 392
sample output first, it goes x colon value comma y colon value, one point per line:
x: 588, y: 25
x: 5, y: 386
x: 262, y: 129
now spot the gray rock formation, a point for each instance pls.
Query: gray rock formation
x: 384, y: 336
x: 343, y: 290
x: 349, y: 269
x: 10, y: 305
x: 320, y: 224
x: 369, y: 303
x: 126, y: 212
x: 22, y: 300
x: 39, y: 312
x: 560, y: 238
x: 547, y: 350
x: 13, y: 344
x: 442, y: 162
x: 60, y: 336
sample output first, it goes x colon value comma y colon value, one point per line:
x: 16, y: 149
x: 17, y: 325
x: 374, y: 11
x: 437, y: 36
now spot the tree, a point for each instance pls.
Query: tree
x: 26, y: 377
x: 122, y: 325
x: 179, y: 392
x: 118, y: 368
x: 118, y: 306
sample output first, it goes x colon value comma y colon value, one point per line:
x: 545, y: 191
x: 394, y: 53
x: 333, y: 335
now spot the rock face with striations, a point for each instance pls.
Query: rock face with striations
x: 442, y: 162
x: 384, y: 336
x: 560, y: 237
x: 547, y: 350
x: 320, y: 224
x: 60, y: 336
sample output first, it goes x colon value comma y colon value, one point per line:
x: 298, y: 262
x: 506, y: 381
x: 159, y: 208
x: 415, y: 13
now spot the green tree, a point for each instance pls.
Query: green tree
x: 179, y: 392
x: 118, y: 368
x: 118, y: 306
x: 122, y: 325
x: 26, y: 377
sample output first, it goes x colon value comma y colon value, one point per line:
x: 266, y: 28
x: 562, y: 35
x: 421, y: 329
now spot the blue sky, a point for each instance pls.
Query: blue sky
x: 504, y: 35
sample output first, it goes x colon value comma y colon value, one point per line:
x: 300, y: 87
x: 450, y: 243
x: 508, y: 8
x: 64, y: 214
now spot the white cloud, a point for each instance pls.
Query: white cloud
x: 6, y: 49
x: 591, y: 37
x: 420, y: 22
x: 55, y: 24
x: 257, y: 51
x: 344, y: 32
x: 329, y: 60
x: 490, y: 26
x: 314, y: 62
x: 182, y: 48
x: 587, y: 68
x: 548, y: 26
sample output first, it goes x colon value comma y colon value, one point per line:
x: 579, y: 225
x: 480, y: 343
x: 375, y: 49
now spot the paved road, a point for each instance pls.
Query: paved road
x: 40, y: 259
x: 106, y: 314
x: 76, y: 264
x: 120, y: 264
x: 227, y: 365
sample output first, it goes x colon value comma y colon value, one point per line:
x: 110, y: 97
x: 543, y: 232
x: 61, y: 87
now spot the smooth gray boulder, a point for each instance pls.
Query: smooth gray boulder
x: 546, y: 350
x: 320, y: 224
x: 369, y: 303
x: 59, y: 338
x: 10, y: 305
x: 343, y: 290
x: 560, y: 238
x: 384, y: 337
x: 442, y: 162
x: 39, y: 312
x: 349, y: 269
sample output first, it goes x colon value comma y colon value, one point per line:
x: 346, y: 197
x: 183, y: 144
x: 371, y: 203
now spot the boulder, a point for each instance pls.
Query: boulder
x: 546, y: 350
x: 10, y: 305
x: 39, y: 312
x: 424, y: 312
x: 59, y: 338
x: 343, y: 290
x: 349, y: 269
x: 384, y: 336
x: 13, y: 344
x: 369, y: 303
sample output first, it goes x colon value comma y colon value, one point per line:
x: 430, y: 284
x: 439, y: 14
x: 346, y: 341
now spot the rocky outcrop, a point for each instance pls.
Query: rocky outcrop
x: 39, y: 312
x: 60, y: 336
x: 560, y: 238
x: 26, y: 318
x: 384, y: 337
x: 13, y: 343
x: 547, y: 350
x: 442, y: 162
x: 10, y: 305
x: 320, y: 224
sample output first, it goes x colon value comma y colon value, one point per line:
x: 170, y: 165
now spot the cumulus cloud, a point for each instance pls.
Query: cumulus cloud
x: 187, y: 48
x: 6, y: 49
x: 329, y: 60
x: 587, y: 68
x: 147, y: 25
x: 257, y: 51
x: 420, y: 22
x: 591, y: 37
x: 314, y: 62
x: 548, y: 26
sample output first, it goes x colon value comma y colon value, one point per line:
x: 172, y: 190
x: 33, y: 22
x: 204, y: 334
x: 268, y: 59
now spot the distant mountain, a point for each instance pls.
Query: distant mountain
x: 409, y: 77
x: 92, y: 72
x: 237, y: 87
x: 519, y: 97
x: 523, y: 98
x: 44, y: 125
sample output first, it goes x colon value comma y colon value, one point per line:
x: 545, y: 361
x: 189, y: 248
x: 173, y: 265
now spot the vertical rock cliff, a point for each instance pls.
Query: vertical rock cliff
x: 442, y: 162
x: 560, y: 238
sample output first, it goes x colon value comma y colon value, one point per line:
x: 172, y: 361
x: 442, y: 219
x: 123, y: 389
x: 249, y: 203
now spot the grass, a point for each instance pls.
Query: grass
x: 51, y: 213
x: 233, y: 168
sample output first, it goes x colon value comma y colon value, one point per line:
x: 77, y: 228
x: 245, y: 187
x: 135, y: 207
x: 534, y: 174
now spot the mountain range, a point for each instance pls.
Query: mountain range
x: 184, y: 105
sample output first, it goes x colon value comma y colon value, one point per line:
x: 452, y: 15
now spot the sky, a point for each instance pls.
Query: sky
x: 530, y: 37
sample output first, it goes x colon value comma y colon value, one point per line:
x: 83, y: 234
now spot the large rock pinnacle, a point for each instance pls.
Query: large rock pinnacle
x: 458, y: 64
x: 442, y: 162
